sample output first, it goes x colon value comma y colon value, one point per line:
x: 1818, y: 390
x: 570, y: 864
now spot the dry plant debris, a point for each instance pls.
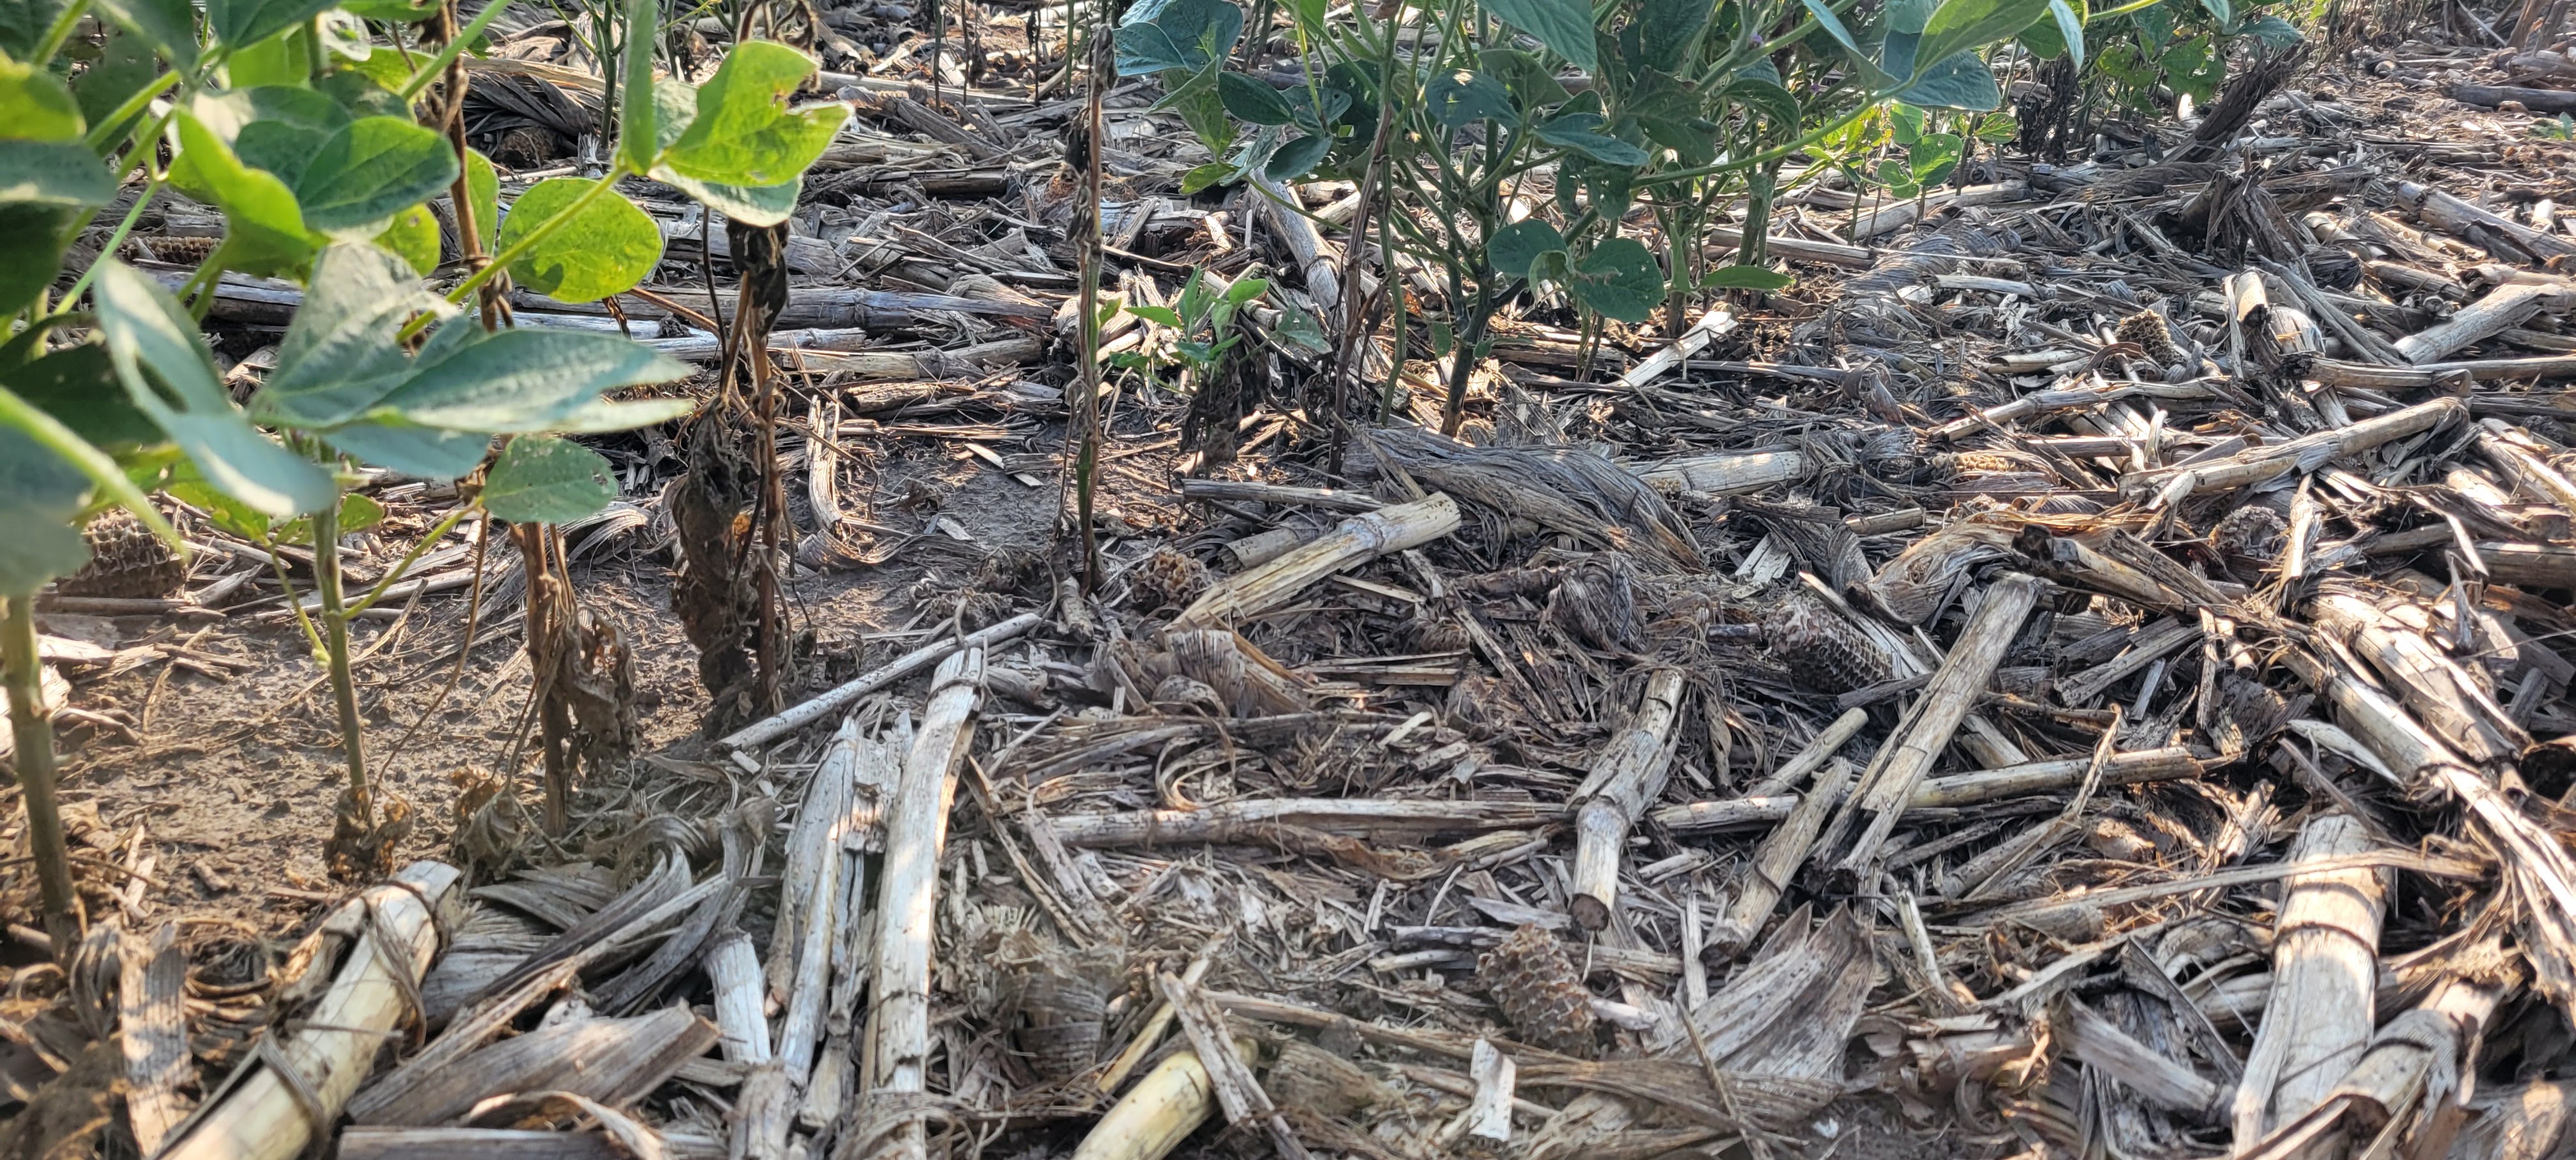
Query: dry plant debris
x: 2086, y: 672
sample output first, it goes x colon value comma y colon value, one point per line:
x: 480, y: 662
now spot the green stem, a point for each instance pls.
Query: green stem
x: 403, y: 565
x: 49, y: 433
x: 101, y: 135
x: 1776, y: 153
x: 60, y: 32
x: 335, y: 626
x: 427, y: 74
x: 32, y: 725
x: 132, y: 215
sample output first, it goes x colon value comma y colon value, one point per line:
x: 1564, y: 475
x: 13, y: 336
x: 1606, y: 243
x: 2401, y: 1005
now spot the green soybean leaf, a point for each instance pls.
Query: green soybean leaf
x: 752, y: 205
x: 1296, y: 158
x: 391, y: 11
x: 79, y: 388
x: 2193, y: 69
x: 34, y: 105
x: 31, y: 252
x: 1530, y: 83
x: 168, y: 26
x: 125, y: 64
x: 1960, y: 82
x: 1961, y: 25
x: 2060, y: 32
x: 40, y: 494
x: 272, y: 127
x: 1460, y: 97
x: 1245, y: 290
x: 1667, y: 31
x: 744, y: 133
x: 637, y: 136
x: 525, y: 380
x: 2222, y: 11
x: 607, y: 247
x: 1934, y: 157
x: 1516, y: 247
x: 483, y: 189
x: 57, y: 173
x: 1998, y: 127
x: 263, y: 227
x: 167, y: 372
x: 1161, y: 315
x: 24, y: 23
x: 414, y: 237
x: 1563, y: 25
x: 540, y: 479
x: 1619, y: 279
x: 1252, y: 101
x: 1766, y: 97
x: 283, y: 59
x: 371, y: 169
x: 2276, y: 34
x: 1745, y: 278
x: 364, y: 91
x: 340, y: 356
x: 1204, y: 176
x: 397, y: 445
x: 1580, y: 131
x: 1157, y: 35
x: 1833, y: 26
x: 242, y: 23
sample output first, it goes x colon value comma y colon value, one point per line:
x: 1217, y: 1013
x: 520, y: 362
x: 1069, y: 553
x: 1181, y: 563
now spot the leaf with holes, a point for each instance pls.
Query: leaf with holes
x: 744, y: 133
x: 1619, y: 279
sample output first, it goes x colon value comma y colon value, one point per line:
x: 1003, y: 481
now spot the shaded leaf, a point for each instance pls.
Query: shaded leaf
x: 1157, y: 35
x: 167, y: 372
x: 125, y: 64
x: 263, y: 227
x: 637, y: 136
x: 1960, y: 82
x: 1252, y: 101
x: 371, y: 169
x: 1580, y: 131
x: 168, y: 26
x: 1745, y: 278
x: 1297, y: 157
x: 242, y: 23
x: 396, y: 445
x: 1619, y: 279
x: 540, y: 479
x: 31, y: 252
x: 79, y: 388
x: 1459, y: 97
x: 1516, y: 247
x: 57, y: 173
x: 1565, y: 26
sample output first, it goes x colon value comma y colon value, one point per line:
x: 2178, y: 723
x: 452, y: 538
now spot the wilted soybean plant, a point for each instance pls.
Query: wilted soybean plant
x: 281, y: 115
x: 1445, y: 111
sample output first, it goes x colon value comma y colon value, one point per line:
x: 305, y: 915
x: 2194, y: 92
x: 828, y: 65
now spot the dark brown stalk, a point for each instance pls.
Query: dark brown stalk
x: 451, y: 120
x: 1357, y: 308
x: 549, y: 622
x: 1084, y: 466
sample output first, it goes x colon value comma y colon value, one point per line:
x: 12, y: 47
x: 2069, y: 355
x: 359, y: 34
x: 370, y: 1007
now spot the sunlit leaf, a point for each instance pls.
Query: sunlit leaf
x: 1157, y: 35
x: 340, y: 355
x: 744, y: 133
x: 1960, y: 82
x: 263, y: 226
x: 605, y: 248
x: 34, y: 105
